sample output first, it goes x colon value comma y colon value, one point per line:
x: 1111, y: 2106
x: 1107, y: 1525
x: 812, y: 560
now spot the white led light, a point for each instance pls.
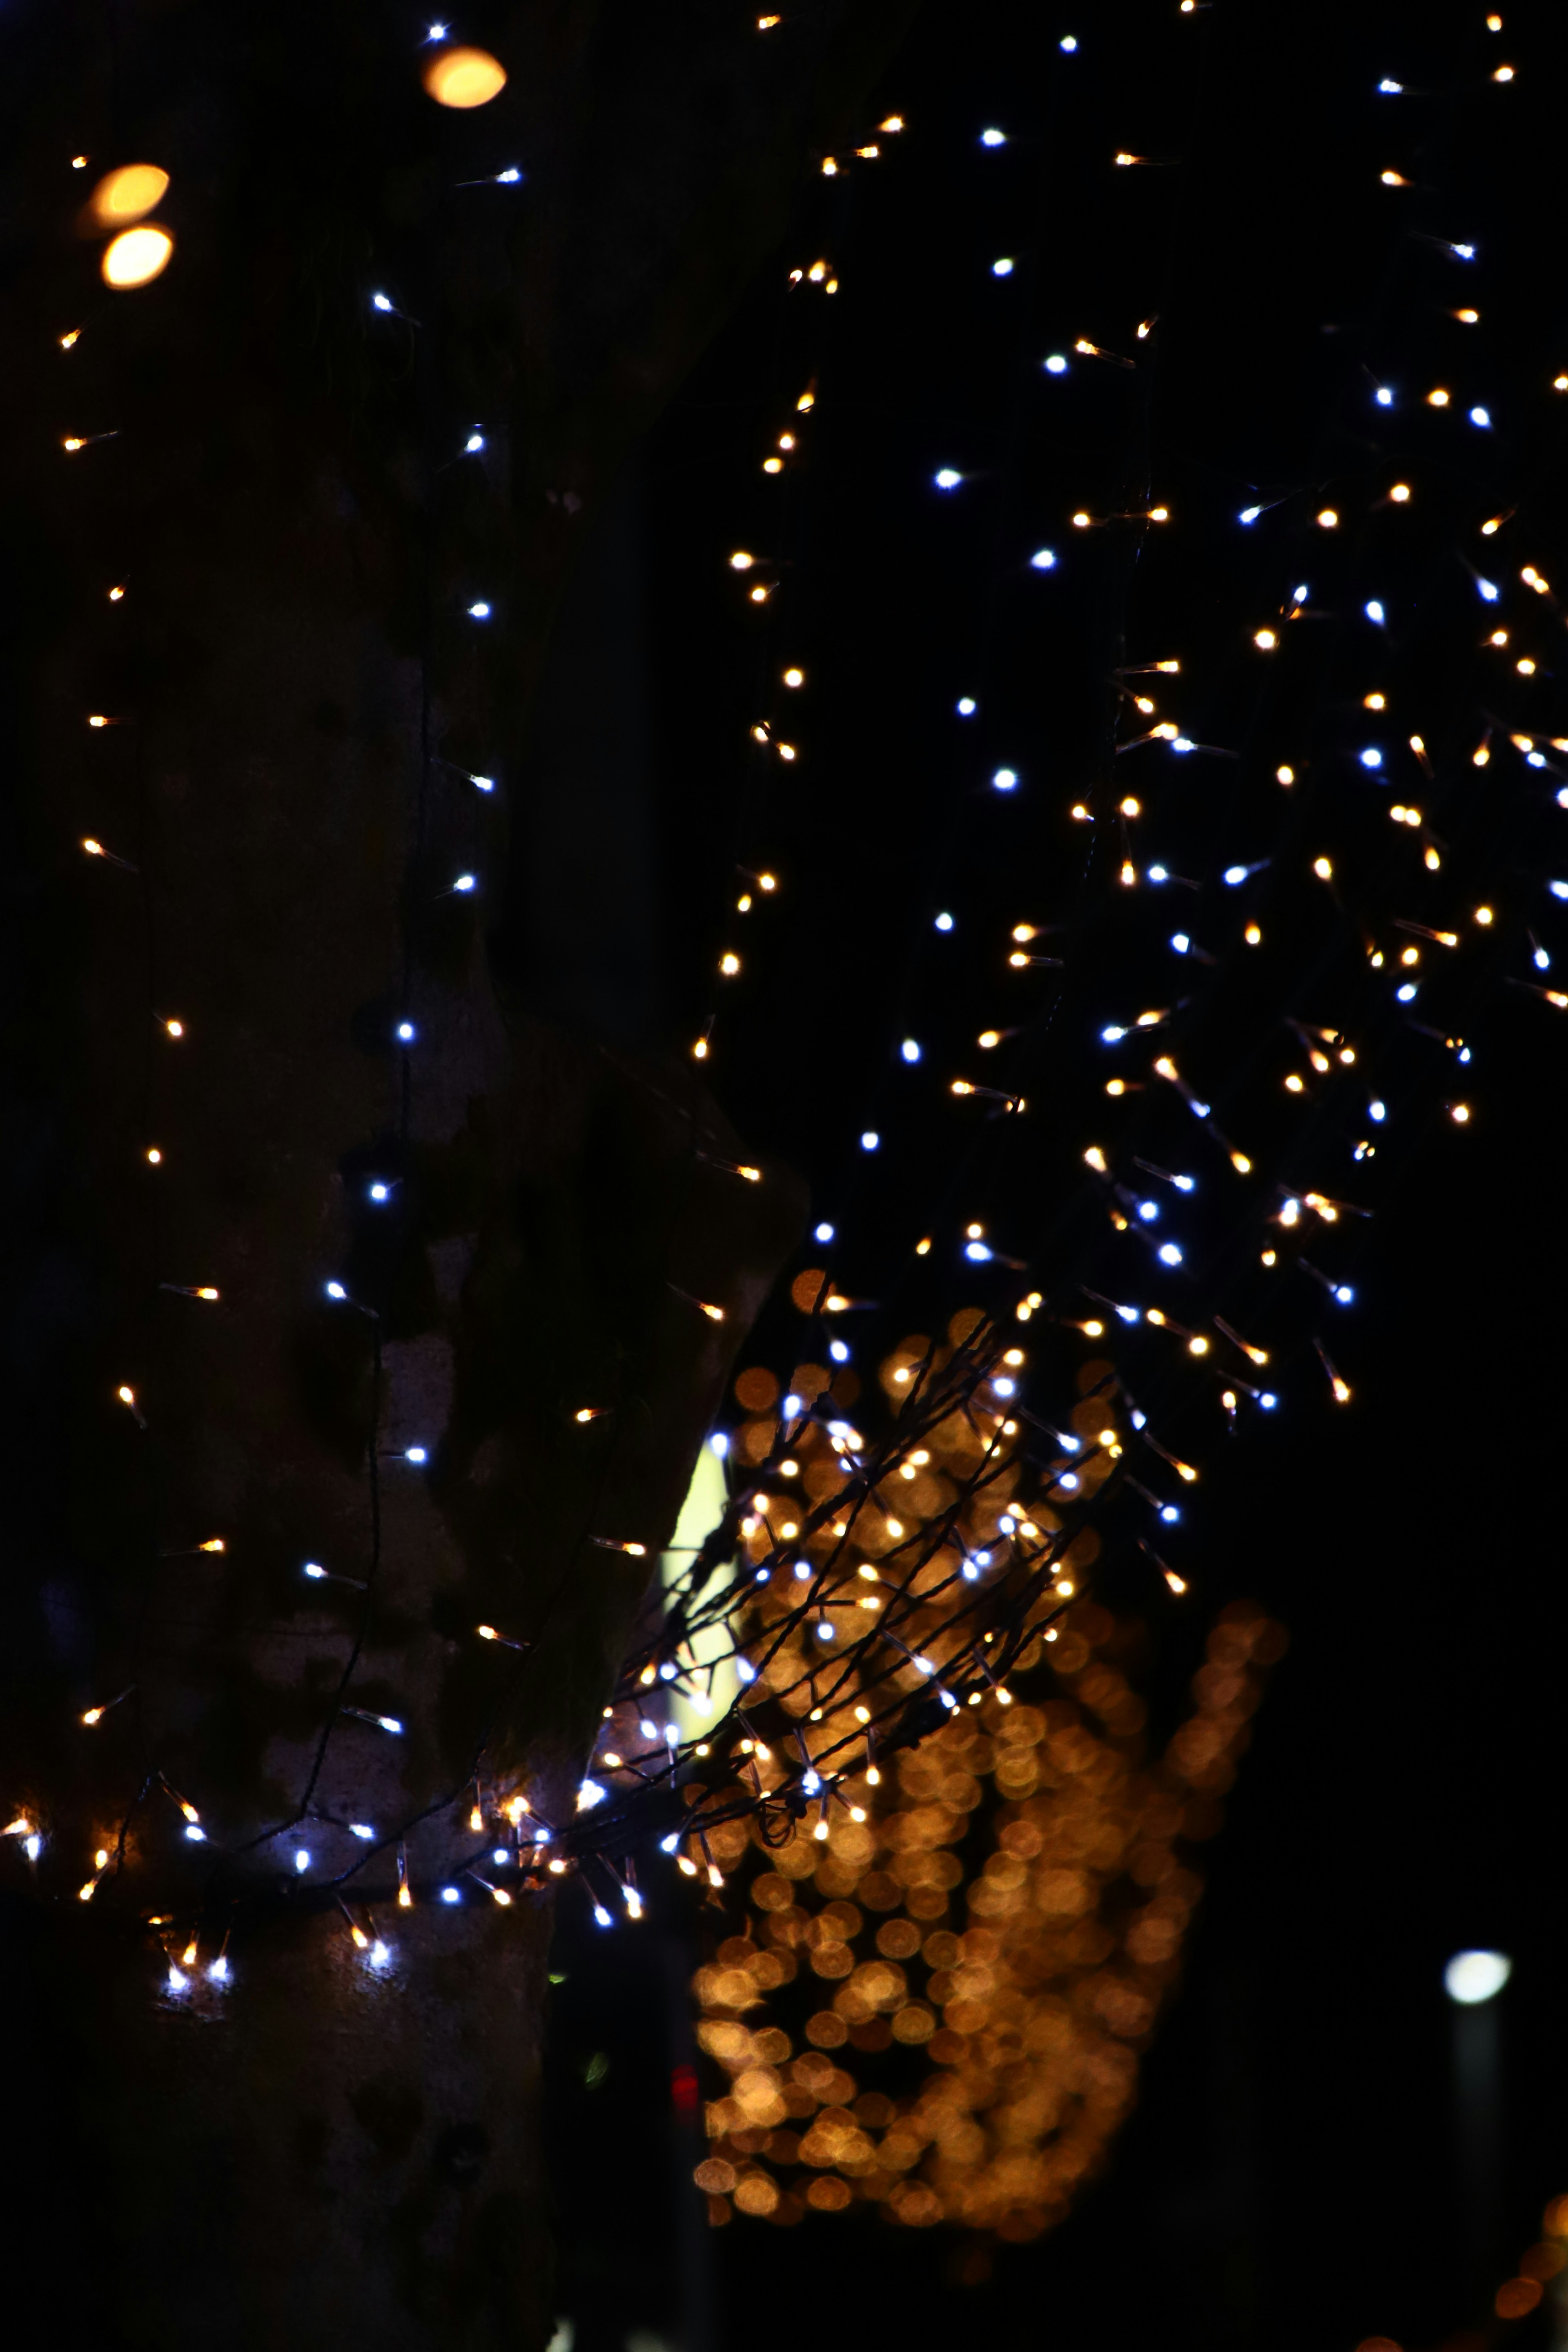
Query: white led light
x: 1471, y: 1977
x: 479, y: 611
x: 1006, y: 779
x: 994, y: 139
x: 946, y: 479
x: 910, y: 1050
x: 1042, y: 560
x: 1055, y: 364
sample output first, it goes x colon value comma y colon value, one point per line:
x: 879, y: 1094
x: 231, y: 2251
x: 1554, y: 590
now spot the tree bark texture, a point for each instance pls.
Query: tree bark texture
x: 297, y: 699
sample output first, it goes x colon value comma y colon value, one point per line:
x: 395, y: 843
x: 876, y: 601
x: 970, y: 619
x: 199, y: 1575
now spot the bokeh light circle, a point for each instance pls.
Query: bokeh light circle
x: 463, y: 78
x: 126, y: 194
x: 136, y: 256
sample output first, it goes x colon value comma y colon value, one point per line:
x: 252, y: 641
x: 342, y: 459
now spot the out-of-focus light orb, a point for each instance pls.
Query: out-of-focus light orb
x: 1471, y: 1977
x: 463, y: 78
x: 136, y: 256
x: 124, y: 197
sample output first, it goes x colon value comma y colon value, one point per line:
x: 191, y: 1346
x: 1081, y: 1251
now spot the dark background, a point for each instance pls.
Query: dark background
x: 1294, y: 2174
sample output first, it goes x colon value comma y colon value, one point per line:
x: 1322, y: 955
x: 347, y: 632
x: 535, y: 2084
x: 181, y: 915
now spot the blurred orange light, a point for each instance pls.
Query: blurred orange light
x: 463, y: 78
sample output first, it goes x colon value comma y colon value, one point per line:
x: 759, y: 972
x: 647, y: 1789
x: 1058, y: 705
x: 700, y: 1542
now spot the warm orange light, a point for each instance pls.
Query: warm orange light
x: 126, y: 195
x: 463, y: 78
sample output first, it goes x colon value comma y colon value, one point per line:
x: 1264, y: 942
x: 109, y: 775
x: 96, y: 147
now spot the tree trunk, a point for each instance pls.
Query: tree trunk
x: 299, y: 700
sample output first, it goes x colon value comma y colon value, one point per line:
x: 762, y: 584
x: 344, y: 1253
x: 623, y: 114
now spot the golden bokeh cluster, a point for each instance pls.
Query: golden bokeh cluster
x: 134, y: 255
x: 950, y: 1970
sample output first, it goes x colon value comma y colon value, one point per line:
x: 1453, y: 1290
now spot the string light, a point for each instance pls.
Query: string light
x: 940, y: 1651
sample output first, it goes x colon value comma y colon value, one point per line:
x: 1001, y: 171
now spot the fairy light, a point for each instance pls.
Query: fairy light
x: 816, y: 1609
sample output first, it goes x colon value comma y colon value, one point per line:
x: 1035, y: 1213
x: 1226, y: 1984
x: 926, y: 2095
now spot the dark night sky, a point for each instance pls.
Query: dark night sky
x: 1289, y: 2178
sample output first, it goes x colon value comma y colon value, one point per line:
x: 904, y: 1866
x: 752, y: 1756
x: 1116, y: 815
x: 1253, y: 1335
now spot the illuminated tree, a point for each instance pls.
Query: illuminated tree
x: 351, y: 1308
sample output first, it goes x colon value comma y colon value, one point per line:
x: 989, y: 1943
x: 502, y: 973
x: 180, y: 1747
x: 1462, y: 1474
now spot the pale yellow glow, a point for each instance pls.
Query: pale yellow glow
x: 137, y: 257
